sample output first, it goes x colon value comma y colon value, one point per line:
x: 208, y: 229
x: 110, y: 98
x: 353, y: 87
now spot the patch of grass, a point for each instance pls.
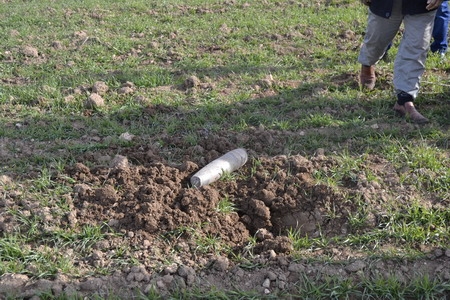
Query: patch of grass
x: 421, y: 225
x: 226, y: 206
x: 426, y: 288
x: 386, y: 288
x: 411, y: 226
x: 407, y: 227
x: 345, y: 171
x: 304, y: 242
x: 422, y: 165
x: 210, y: 243
x: 42, y: 261
x: 309, y: 289
x: 81, y: 240
x: 359, y: 217
x: 228, y: 176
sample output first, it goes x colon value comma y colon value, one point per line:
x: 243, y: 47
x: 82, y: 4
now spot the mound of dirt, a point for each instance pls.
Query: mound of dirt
x: 272, y: 197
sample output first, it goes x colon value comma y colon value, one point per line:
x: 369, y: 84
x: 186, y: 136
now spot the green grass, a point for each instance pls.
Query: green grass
x: 226, y: 205
x: 18, y: 257
x: 309, y: 50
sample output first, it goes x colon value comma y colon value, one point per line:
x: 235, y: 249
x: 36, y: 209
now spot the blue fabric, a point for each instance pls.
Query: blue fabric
x: 440, y: 29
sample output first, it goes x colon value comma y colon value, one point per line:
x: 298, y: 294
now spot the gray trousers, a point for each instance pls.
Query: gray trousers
x: 409, y: 63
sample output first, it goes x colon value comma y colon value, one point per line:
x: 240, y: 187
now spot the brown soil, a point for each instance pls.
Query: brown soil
x: 177, y: 237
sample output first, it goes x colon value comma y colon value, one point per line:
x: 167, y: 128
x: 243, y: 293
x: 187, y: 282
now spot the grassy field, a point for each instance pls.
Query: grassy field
x: 176, y: 70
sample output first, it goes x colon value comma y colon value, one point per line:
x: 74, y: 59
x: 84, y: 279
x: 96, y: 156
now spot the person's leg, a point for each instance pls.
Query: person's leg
x: 440, y: 29
x: 409, y: 63
x: 379, y: 34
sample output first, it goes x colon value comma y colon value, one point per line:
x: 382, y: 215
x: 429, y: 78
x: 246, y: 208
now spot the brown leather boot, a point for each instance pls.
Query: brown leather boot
x: 367, y: 77
x: 405, y: 106
x: 409, y: 109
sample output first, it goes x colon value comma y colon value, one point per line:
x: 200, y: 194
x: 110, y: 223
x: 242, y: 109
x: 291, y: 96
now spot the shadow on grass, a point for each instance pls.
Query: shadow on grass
x: 299, y: 118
